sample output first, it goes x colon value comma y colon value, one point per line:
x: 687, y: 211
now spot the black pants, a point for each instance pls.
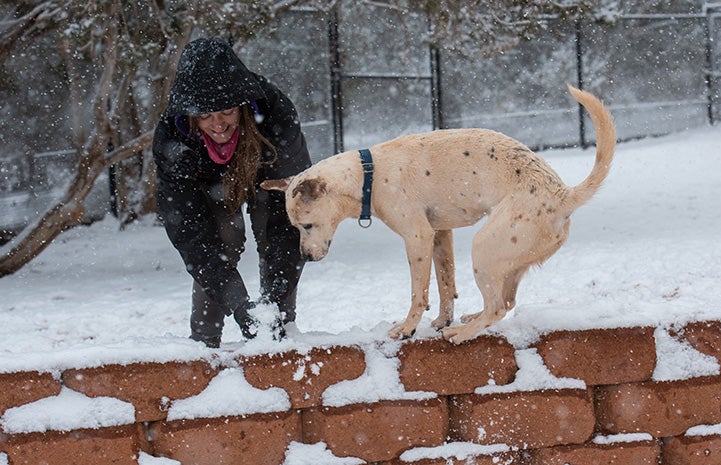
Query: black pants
x: 207, y: 316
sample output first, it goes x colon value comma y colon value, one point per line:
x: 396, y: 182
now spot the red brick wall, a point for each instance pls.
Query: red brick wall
x: 541, y: 427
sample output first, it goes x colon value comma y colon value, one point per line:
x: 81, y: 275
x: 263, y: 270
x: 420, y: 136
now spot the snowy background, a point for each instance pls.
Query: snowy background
x: 644, y: 251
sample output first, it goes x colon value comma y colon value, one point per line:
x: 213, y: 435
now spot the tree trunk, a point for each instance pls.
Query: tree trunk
x: 69, y: 209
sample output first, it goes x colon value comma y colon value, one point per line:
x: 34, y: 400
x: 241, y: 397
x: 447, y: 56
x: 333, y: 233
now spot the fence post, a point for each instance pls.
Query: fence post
x: 710, y: 73
x: 336, y: 90
x: 579, y: 80
x: 436, y: 89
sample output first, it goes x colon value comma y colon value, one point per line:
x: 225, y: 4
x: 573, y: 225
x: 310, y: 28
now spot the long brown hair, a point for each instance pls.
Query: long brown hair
x: 242, y: 170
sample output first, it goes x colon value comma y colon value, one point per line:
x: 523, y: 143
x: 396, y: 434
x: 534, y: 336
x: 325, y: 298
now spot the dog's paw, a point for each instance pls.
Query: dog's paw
x: 456, y: 334
x: 401, y: 331
x: 440, y: 323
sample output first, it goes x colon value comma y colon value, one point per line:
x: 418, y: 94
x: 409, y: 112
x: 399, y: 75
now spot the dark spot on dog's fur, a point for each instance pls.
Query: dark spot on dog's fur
x: 386, y: 180
x: 428, y: 173
x: 475, y: 173
x: 467, y: 153
x: 538, y: 213
x: 518, y: 171
x: 492, y: 153
x: 533, y: 189
x: 514, y: 239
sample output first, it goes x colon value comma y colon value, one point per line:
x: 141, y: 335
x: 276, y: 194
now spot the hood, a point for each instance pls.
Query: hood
x: 210, y: 77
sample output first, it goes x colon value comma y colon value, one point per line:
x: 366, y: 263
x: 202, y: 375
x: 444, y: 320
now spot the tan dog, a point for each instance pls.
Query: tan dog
x: 427, y: 184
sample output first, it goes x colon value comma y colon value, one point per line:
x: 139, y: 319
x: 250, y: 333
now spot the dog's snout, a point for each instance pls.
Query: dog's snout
x: 314, y: 252
x: 308, y: 257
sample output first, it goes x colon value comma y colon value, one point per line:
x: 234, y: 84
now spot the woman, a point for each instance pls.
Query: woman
x: 225, y: 130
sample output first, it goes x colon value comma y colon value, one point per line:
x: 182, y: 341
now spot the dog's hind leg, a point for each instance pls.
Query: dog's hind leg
x: 510, y: 287
x: 445, y: 277
x: 501, y: 255
x: 503, y: 250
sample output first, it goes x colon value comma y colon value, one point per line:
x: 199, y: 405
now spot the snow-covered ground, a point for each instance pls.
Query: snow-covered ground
x: 645, y: 251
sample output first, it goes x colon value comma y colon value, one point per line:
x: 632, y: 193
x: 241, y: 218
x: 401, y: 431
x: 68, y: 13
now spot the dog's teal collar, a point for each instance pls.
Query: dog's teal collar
x: 367, y: 163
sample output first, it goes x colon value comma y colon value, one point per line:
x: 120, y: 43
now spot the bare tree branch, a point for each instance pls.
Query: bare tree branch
x: 124, y: 151
x: 24, y: 29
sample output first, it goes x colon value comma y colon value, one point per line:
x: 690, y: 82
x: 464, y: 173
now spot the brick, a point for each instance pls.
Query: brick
x: 523, y: 419
x: 26, y: 386
x: 692, y: 450
x: 107, y: 446
x: 437, y: 365
x: 665, y: 408
x: 254, y: 439
x: 626, y: 453
x: 600, y: 356
x: 148, y: 386
x: 305, y: 376
x: 377, y: 432
x: 704, y: 336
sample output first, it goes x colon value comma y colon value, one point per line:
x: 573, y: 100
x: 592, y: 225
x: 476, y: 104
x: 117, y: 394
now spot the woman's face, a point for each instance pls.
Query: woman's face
x: 219, y: 125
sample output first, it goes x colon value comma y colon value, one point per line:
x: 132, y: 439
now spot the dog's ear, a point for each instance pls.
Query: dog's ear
x: 276, y: 184
x: 310, y: 189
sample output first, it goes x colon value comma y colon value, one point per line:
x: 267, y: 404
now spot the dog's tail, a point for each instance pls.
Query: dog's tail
x: 605, y: 146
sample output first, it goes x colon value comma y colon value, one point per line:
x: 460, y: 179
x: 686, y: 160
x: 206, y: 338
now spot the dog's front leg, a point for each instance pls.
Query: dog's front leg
x: 419, y: 250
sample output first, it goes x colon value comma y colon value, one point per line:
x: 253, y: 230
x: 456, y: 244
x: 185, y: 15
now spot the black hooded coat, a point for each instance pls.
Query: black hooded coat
x: 210, y: 77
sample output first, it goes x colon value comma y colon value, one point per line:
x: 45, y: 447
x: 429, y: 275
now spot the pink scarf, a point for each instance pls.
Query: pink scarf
x: 221, y: 153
